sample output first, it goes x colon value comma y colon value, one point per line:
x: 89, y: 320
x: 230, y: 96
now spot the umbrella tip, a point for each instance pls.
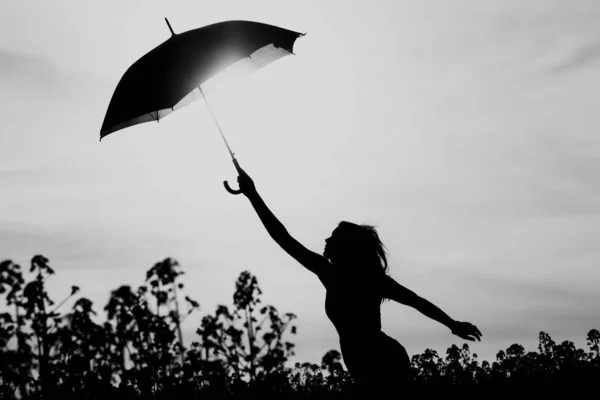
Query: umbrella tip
x: 171, y: 29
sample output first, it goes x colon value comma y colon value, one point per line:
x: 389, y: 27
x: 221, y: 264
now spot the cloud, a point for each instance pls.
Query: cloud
x: 580, y: 58
x: 29, y: 79
x: 81, y: 248
x: 25, y: 68
x: 32, y: 82
x: 16, y: 174
x: 526, y: 288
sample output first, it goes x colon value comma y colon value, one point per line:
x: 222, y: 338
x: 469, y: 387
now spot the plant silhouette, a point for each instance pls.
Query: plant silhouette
x: 248, y: 339
x: 51, y: 350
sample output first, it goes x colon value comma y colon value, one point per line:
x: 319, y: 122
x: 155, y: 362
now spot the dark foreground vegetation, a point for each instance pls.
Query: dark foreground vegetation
x: 61, y: 350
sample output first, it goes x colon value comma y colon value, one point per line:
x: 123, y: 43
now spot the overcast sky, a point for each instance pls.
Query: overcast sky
x: 465, y: 130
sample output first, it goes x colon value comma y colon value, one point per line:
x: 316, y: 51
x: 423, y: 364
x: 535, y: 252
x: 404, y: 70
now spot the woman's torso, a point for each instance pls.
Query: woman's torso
x: 352, y: 303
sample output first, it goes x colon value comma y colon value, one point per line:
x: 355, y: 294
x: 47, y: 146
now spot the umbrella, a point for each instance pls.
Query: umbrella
x: 170, y: 76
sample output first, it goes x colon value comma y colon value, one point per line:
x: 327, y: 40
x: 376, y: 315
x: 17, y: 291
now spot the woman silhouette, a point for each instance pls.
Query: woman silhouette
x: 353, y: 269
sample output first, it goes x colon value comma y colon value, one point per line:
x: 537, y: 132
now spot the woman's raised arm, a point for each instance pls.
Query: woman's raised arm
x: 311, y: 260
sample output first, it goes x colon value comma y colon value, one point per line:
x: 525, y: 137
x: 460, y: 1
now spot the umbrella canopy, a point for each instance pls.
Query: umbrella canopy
x: 169, y: 76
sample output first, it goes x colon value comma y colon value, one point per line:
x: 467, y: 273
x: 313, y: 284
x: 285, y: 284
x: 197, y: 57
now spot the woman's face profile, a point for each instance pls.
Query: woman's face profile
x: 335, y: 244
x: 328, y: 251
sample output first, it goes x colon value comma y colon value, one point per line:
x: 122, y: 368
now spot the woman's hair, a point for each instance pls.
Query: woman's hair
x: 366, y: 247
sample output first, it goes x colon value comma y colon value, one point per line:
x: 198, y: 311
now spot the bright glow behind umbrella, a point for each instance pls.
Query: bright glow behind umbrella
x: 225, y: 81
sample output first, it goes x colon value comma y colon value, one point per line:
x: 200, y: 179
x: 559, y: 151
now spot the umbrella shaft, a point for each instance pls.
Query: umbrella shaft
x: 216, y: 123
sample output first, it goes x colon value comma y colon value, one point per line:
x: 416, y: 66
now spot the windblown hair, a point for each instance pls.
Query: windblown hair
x: 366, y: 245
x: 367, y: 252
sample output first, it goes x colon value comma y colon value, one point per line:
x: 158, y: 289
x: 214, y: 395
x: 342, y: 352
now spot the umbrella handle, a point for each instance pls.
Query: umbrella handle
x: 230, y: 190
x: 238, y: 168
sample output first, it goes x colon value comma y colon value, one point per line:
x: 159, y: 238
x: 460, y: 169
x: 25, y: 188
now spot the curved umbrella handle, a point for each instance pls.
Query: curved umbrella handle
x: 230, y: 190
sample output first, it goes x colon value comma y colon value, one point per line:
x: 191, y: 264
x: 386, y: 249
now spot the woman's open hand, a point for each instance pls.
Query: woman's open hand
x: 466, y: 330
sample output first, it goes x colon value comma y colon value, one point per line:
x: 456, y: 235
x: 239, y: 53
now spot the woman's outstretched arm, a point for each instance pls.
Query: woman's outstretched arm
x: 399, y: 293
x: 312, y: 261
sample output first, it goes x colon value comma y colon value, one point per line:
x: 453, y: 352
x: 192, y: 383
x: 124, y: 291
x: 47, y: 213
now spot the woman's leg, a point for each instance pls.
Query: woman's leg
x: 382, y: 368
x: 397, y: 363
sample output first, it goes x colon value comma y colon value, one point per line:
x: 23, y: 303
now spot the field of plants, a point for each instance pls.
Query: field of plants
x: 134, y: 349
